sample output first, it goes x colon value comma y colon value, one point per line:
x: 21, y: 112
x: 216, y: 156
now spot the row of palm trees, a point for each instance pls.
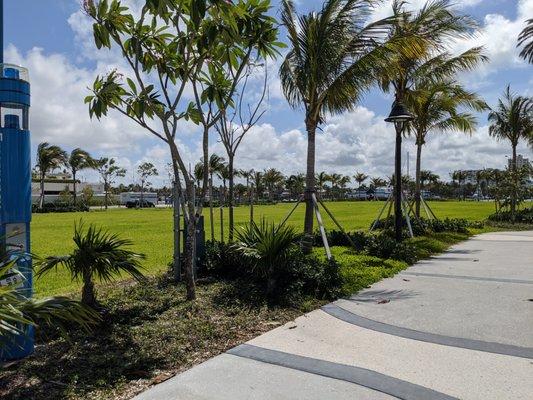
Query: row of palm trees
x: 51, y: 157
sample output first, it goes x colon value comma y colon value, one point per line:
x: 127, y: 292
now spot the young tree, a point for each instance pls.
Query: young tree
x: 145, y: 171
x: 512, y: 120
x: 49, y: 157
x: 235, y: 123
x: 332, y: 59
x: 98, y: 254
x: 170, y: 46
x: 78, y: 159
x: 108, y: 171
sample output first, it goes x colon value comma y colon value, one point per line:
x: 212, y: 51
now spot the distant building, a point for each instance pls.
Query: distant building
x: 55, y: 184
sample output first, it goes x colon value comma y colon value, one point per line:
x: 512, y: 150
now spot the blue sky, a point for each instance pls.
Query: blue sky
x: 55, y: 43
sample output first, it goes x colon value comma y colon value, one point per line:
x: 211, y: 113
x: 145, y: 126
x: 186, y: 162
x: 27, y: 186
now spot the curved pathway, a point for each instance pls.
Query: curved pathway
x: 456, y: 326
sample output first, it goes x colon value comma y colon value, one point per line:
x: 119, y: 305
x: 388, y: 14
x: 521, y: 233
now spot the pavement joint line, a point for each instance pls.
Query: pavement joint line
x: 469, y: 344
x: 360, y: 376
x: 471, y: 278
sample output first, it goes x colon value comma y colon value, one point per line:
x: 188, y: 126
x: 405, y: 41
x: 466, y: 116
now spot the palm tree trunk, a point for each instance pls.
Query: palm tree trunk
x: 515, y: 183
x: 309, y: 185
x: 88, y: 296
x: 211, y: 216
x: 230, y: 197
x: 74, y: 198
x: 41, y: 200
x: 418, y: 188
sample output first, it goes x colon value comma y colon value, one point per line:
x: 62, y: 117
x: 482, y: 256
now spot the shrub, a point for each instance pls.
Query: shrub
x: 524, y: 216
x: 422, y: 226
x: 339, y: 238
x: 59, y: 207
x: 385, y: 246
x: 223, y: 261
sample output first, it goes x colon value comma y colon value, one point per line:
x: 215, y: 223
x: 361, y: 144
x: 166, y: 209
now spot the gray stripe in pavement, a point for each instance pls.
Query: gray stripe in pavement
x: 470, y: 344
x: 471, y: 278
x: 360, y: 376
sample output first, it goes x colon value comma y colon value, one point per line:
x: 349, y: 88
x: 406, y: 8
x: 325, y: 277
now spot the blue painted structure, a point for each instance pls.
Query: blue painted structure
x: 15, y: 181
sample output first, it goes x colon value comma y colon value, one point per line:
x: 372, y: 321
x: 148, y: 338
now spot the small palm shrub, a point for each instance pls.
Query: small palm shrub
x: 18, y: 312
x: 266, y: 247
x: 98, y: 255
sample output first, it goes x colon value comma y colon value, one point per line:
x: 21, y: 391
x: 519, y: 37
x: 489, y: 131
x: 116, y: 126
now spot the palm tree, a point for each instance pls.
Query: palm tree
x: 526, y: 39
x: 329, y: 65
x: 272, y: 178
x: 427, y: 31
x: 78, y: 160
x: 343, y: 182
x: 512, y: 120
x: 321, y: 179
x: 266, y: 245
x: 377, y: 182
x: 460, y: 177
x: 49, y: 157
x: 360, y: 178
x: 17, y: 311
x: 295, y: 185
x: 257, y: 179
x: 98, y: 254
x: 198, y: 174
x: 435, y: 108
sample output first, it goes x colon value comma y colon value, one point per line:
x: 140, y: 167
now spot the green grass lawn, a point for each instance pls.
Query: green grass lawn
x: 151, y: 229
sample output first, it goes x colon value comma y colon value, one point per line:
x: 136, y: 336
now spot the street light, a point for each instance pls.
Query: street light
x: 399, y: 115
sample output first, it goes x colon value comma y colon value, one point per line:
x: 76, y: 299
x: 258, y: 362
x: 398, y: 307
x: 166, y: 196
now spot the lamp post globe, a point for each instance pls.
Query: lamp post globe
x: 399, y: 115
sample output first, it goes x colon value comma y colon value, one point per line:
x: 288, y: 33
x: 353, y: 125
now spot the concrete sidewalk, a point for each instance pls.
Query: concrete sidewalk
x: 457, y: 326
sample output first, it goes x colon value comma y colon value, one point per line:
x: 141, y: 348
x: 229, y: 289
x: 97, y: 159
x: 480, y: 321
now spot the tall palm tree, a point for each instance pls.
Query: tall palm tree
x: 343, y: 182
x: 360, y: 177
x: 512, y: 120
x: 257, y: 180
x: 460, y: 177
x: 526, y: 39
x: 428, y: 31
x: 272, y: 178
x: 49, y: 157
x: 329, y: 65
x: 98, y: 254
x: 435, y: 106
x: 377, y: 182
x: 321, y: 179
x: 78, y: 160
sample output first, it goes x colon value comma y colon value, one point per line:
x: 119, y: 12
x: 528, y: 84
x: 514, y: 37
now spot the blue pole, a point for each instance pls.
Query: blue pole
x: 15, y: 184
x: 1, y: 31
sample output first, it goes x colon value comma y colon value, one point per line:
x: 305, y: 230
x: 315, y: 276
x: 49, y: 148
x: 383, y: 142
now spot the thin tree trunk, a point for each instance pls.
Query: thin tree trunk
x: 74, y: 198
x: 230, y: 197
x: 309, y: 185
x: 106, y: 189
x: 211, y: 216
x: 515, y: 184
x: 41, y: 200
x: 418, y: 183
x: 142, y: 193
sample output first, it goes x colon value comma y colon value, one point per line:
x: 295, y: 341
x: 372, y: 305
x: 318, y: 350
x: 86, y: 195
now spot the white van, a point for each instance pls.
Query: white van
x: 133, y: 199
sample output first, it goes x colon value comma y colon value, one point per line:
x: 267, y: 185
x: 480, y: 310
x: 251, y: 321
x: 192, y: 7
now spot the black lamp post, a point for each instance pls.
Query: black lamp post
x: 399, y: 115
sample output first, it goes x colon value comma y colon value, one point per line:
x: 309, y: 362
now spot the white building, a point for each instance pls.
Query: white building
x: 56, y: 184
x: 521, y: 161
